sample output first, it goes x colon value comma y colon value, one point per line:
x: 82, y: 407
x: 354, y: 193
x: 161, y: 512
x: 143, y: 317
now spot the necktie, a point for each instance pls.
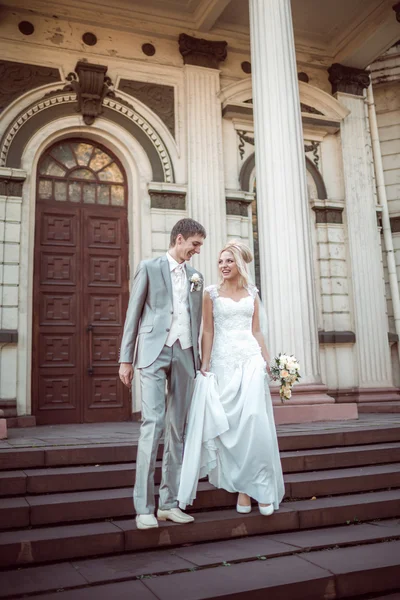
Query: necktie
x: 180, y: 276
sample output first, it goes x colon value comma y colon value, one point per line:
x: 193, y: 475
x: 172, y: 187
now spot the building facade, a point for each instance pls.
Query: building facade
x: 254, y: 118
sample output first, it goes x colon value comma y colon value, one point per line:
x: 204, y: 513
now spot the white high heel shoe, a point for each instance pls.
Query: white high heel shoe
x: 244, y: 510
x: 266, y: 511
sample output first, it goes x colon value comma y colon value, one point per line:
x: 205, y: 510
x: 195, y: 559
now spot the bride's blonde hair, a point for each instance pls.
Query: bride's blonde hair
x: 243, y: 256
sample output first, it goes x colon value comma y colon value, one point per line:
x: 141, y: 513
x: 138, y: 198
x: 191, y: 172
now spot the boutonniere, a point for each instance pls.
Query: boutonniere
x: 195, y: 282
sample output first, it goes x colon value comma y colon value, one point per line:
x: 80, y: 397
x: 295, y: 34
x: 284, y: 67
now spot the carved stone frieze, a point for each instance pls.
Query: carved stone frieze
x: 324, y: 214
x: 202, y: 53
x: 236, y: 207
x: 11, y: 186
x: 159, y: 98
x: 91, y: 86
x: 348, y: 79
x: 18, y: 78
x: 168, y: 200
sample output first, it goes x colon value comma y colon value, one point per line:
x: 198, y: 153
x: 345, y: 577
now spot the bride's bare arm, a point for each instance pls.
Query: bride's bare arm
x: 258, y: 333
x: 208, y: 333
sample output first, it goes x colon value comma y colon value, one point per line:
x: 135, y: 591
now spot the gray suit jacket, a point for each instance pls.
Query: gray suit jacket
x: 149, y: 315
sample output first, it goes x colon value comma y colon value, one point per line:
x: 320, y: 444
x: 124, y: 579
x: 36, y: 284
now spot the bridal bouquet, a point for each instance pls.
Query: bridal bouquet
x: 286, y: 369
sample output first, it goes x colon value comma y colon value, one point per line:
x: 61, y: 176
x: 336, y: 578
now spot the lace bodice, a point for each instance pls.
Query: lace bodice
x: 234, y: 342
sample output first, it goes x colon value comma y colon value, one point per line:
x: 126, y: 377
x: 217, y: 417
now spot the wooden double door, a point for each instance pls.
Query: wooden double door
x: 80, y: 292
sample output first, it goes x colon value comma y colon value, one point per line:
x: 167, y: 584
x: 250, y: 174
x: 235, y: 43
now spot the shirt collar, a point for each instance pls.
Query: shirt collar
x: 173, y: 263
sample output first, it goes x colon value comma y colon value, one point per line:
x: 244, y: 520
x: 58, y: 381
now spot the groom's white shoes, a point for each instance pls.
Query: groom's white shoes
x: 175, y: 515
x: 146, y: 521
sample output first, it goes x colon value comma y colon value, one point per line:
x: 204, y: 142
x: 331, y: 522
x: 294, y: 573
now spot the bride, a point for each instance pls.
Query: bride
x: 231, y: 434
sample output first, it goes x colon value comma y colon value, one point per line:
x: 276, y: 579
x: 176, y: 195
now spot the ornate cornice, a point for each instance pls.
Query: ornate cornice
x: 348, y: 80
x: 159, y: 98
x: 167, y: 200
x: 18, y: 78
x: 202, y: 53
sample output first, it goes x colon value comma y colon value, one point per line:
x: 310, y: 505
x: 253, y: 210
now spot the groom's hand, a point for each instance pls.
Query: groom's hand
x: 126, y: 374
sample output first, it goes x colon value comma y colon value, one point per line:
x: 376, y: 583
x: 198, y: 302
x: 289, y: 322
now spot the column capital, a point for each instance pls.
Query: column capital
x: 202, y: 53
x: 348, y: 80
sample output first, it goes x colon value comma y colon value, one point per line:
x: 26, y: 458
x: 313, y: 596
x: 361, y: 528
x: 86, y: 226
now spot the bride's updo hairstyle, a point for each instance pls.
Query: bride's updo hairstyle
x: 243, y: 256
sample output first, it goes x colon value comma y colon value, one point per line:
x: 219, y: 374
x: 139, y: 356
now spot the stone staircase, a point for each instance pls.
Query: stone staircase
x: 68, y: 530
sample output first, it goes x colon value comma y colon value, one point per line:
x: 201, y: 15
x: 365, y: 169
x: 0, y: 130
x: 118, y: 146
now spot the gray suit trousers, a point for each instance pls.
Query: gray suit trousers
x: 176, y: 367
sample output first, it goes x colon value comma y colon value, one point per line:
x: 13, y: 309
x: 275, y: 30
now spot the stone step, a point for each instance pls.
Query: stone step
x: 46, y: 544
x: 89, y: 505
x: 379, y: 407
x: 131, y: 566
x: 58, y: 481
x: 24, y: 477
x: 74, y: 455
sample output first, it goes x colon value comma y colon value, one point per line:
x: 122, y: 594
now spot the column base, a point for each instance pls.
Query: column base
x: 311, y: 413
x: 21, y: 422
x: 365, y: 395
x: 310, y: 403
x: 3, y: 426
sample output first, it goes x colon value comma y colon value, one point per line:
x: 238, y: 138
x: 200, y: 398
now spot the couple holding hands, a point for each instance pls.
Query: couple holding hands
x: 220, y: 424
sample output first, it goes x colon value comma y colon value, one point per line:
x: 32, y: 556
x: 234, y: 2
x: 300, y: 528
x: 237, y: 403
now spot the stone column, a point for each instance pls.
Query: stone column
x: 205, y: 192
x: 287, y: 281
x: 371, y: 323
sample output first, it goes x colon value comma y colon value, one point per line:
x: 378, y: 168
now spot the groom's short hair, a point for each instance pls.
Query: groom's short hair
x: 186, y: 228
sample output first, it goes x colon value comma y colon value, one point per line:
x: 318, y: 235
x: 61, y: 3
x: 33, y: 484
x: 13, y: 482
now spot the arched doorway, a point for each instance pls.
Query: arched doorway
x: 80, y: 285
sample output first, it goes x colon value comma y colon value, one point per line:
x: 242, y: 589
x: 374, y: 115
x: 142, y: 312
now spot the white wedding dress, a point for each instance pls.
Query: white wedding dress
x: 231, y: 435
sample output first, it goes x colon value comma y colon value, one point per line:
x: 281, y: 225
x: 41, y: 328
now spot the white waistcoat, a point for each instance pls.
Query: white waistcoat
x: 180, y: 327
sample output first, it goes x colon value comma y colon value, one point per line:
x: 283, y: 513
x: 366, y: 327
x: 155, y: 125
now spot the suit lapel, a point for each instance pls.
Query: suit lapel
x: 166, y: 273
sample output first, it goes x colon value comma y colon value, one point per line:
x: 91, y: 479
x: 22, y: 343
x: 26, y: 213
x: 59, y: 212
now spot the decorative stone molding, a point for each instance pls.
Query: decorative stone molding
x: 18, y: 78
x: 159, y: 98
x: 117, y: 105
x: 167, y: 200
x: 202, y: 53
x: 348, y: 80
x: 326, y: 214
x: 91, y: 86
x: 337, y: 337
x: 396, y: 8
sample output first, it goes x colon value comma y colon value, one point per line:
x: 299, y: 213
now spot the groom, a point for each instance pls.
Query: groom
x: 163, y: 317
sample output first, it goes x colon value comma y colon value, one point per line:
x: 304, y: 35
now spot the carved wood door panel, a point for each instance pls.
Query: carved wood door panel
x: 80, y: 286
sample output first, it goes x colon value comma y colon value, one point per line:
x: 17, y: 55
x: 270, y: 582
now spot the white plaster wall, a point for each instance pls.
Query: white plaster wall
x: 162, y: 221
x: 10, y: 231
x: 387, y: 101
